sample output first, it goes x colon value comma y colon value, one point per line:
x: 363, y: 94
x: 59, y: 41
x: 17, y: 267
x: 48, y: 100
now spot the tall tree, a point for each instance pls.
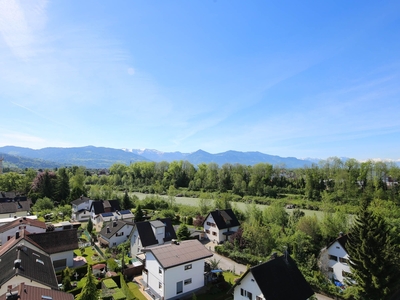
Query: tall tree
x: 183, y: 232
x: 139, y: 216
x: 372, y: 256
x: 62, y: 185
x: 126, y: 201
x: 89, y: 291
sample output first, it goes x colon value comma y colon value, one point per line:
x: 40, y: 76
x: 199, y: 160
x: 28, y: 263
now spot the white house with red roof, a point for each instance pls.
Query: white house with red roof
x: 8, y: 230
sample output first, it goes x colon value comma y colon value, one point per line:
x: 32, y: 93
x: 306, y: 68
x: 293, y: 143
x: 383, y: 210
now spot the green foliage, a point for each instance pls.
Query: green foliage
x: 89, y: 226
x: 43, y: 204
x: 66, y: 279
x: 183, y: 232
x: 373, y: 256
x: 139, y: 216
x: 89, y: 291
x: 127, y: 202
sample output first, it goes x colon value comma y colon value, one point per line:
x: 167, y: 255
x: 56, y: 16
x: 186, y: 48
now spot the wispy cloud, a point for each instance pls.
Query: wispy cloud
x: 18, y: 24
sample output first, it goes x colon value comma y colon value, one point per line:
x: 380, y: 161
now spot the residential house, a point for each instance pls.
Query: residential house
x: 25, y: 291
x: 335, y: 259
x: 81, y: 209
x: 13, y: 205
x: 22, y: 263
x: 60, y: 245
x: 276, y: 279
x: 115, y: 233
x: 126, y: 215
x: 150, y: 233
x: 100, y: 207
x: 175, y: 270
x: 8, y: 230
x: 220, y: 224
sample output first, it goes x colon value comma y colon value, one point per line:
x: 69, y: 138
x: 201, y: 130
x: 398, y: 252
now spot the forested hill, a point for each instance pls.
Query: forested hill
x: 101, y: 157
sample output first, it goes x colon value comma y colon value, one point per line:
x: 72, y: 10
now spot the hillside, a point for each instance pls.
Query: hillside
x: 102, y: 157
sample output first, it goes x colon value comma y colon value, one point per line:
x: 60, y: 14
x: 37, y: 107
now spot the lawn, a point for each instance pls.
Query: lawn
x: 91, y: 255
x: 134, y: 288
x: 219, y: 291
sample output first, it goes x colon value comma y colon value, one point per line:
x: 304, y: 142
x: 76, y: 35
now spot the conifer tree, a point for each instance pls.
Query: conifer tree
x: 89, y: 226
x: 139, y: 216
x: 372, y: 254
x: 126, y: 201
x: 89, y: 291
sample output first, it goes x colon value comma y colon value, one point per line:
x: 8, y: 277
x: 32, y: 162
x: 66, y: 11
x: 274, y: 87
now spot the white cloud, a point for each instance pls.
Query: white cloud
x: 18, y: 25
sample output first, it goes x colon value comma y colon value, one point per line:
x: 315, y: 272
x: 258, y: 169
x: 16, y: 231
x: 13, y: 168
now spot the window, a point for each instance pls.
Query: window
x: 343, y: 260
x: 60, y: 264
x: 160, y: 285
x: 345, y: 274
x: 208, y: 223
x: 119, y: 233
x: 188, y: 267
x: 259, y: 298
x: 330, y: 269
x: 159, y: 270
x: 207, y: 231
x: 214, y: 233
x: 333, y: 257
x: 188, y: 281
x: 246, y: 294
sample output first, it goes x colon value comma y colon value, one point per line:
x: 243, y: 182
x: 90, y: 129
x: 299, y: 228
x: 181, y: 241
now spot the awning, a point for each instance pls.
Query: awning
x: 141, y: 256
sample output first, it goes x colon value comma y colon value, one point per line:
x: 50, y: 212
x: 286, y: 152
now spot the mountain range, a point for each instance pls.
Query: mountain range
x: 102, y: 157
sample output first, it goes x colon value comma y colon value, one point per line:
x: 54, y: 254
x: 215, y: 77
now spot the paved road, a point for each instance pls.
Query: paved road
x: 227, y: 264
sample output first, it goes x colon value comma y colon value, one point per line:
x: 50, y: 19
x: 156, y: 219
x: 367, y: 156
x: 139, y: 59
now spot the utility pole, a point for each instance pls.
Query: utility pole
x: 1, y: 165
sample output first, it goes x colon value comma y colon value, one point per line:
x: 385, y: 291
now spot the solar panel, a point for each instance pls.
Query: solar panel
x: 125, y: 212
x: 108, y: 214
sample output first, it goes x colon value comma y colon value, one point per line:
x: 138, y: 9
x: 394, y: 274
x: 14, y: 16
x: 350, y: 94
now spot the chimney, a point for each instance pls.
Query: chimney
x: 340, y: 234
x: 274, y: 255
x: 17, y: 263
x: 114, y: 224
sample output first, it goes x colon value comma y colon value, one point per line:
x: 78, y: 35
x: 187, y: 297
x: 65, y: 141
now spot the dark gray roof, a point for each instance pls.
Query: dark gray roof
x: 224, y: 218
x: 14, y: 206
x: 99, y: 206
x: 33, y: 266
x: 146, y: 233
x: 56, y: 241
x: 114, y: 227
x: 280, y: 279
x: 80, y: 200
x: 175, y: 254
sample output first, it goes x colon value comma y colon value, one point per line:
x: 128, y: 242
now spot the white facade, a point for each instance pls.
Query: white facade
x: 120, y: 236
x: 62, y: 259
x: 248, y: 289
x: 81, y: 212
x: 338, y: 262
x: 213, y: 233
x: 174, y: 282
x: 8, y: 234
x: 136, y: 243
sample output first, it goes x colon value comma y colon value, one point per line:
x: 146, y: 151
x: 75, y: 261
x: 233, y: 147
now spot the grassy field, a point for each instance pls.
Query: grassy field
x: 134, y: 288
x: 91, y: 255
x: 240, y: 205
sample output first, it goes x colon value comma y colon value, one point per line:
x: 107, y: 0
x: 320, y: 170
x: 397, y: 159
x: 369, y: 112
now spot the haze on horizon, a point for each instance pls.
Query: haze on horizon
x: 293, y: 79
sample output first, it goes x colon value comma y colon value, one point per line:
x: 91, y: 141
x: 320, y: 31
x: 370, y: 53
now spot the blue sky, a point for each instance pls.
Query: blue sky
x: 289, y: 78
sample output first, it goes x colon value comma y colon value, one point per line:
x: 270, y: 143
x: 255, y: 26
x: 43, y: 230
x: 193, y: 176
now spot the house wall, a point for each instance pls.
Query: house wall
x: 21, y: 213
x: 68, y: 255
x: 211, y: 232
x: 6, y: 235
x: 218, y: 236
x: 338, y: 266
x: 136, y: 243
x: 16, y: 280
x: 116, y: 240
x: 159, y: 233
x: 169, y: 277
x: 248, y: 284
